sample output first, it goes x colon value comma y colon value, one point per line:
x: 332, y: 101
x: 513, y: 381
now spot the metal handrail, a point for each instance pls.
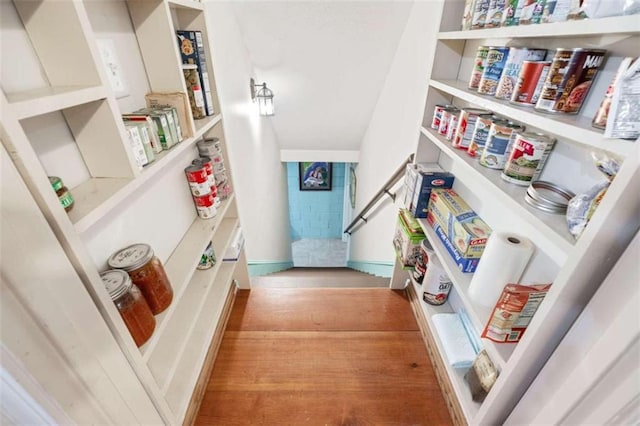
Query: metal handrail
x: 385, y: 190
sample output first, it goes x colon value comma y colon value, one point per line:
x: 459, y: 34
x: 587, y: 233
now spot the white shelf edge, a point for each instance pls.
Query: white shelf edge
x: 587, y: 27
x: 182, y: 390
x: 456, y: 375
x: 32, y: 103
x: 498, y: 352
x: 163, y: 160
x: 181, y: 266
x: 575, y: 129
x: 512, y: 196
x: 186, y: 4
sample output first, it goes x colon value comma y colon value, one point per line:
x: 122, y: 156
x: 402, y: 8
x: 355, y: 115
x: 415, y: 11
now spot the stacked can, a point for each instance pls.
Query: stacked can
x: 500, y: 139
x: 208, y: 166
x: 200, y: 186
x: 212, y: 148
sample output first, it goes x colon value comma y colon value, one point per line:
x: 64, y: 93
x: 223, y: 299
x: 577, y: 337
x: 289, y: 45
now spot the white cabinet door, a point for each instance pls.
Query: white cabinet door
x: 50, y: 326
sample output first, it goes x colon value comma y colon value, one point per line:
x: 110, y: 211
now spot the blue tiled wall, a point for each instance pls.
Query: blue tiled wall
x: 316, y: 214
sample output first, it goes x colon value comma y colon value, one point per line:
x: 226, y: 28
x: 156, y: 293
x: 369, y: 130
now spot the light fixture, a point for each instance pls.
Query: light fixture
x: 264, y: 96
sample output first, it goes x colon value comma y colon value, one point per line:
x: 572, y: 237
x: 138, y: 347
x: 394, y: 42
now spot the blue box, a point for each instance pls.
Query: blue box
x: 425, y: 182
x: 465, y: 264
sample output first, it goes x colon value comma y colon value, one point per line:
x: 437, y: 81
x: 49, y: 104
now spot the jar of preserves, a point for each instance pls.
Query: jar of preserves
x: 146, y: 271
x: 132, y: 306
x: 64, y: 195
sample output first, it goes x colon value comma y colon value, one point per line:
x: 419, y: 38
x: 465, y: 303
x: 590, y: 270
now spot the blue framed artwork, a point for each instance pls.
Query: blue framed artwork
x: 315, y: 176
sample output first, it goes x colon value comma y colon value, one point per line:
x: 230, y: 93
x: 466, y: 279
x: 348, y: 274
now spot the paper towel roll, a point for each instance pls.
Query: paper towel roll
x: 504, y: 259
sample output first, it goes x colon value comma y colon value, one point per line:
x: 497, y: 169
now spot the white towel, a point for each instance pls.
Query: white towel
x: 454, y: 338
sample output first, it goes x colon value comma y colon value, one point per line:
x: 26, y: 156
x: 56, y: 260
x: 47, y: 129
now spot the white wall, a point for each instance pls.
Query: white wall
x: 260, y: 178
x: 394, y: 130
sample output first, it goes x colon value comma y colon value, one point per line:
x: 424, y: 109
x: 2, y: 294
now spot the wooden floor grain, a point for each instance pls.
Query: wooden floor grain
x: 322, y: 357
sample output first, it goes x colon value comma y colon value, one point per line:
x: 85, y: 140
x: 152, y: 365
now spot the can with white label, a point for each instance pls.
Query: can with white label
x: 436, y: 283
x: 527, y: 157
x: 496, y: 150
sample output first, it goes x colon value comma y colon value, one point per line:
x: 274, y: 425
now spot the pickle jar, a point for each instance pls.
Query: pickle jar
x: 132, y: 306
x: 146, y: 271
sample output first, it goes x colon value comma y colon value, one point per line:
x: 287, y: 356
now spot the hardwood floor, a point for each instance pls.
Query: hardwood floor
x: 322, y: 357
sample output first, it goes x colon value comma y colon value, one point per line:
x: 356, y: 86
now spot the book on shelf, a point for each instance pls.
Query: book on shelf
x: 192, y: 52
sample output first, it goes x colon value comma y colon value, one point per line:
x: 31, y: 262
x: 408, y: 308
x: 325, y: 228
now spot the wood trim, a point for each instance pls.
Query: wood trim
x: 453, y: 405
x: 209, y: 361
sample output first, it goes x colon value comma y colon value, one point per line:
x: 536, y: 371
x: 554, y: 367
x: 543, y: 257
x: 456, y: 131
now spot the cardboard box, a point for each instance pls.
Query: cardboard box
x: 462, y: 226
x: 177, y: 100
x: 192, y: 52
x: 407, y: 239
x: 426, y: 181
x: 465, y: 264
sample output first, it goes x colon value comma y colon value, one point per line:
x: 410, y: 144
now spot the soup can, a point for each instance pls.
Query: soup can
x: 437, y: 115
x: 569, y: 80
x: 478, y: 67
x: 531, y: 77
x: 208, y: 166
x: 480, y: 9
x: 209, y: 146
x: 509, y: 77
x: 452, y: 126
x: 422, y: 260
x: 436, y: 283
x: 481, y: 132
x: 496, y: 61
x: 494, y: 14
x: 447, y: 113
x: 528, y: 155
x: 496, y: 150
x: 466, y: 125
x: 205, y: 206
x: 198, y: 179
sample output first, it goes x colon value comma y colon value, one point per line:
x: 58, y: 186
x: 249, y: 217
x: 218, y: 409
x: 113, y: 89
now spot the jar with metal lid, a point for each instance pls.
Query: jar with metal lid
x: 64, y: 195
x: 146, y: 271
x: 132, y: 306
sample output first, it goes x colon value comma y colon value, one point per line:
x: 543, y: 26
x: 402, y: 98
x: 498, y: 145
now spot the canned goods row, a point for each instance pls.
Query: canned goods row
x: 504, y: 13
x: 522, y: 76
x: 497, y: 142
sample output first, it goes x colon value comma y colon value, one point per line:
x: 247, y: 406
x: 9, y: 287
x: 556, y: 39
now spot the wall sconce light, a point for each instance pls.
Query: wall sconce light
x: 264, y: 96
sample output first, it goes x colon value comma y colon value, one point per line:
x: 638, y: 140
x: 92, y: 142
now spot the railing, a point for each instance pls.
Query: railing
x: 385, y: 190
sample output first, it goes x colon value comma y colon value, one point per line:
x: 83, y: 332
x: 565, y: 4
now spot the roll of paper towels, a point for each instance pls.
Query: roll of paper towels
x: 503, y: 261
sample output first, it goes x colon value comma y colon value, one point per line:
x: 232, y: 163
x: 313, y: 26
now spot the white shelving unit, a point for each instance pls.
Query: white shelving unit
x: 75, y: 94
x: 575, y: 267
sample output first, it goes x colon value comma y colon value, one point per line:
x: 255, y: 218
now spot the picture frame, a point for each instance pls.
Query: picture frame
x: 315, y: 176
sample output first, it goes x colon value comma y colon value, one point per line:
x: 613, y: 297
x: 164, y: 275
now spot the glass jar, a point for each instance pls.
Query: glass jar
x: 146, y: 271
x: 132, y: 306
x: 64, y: 195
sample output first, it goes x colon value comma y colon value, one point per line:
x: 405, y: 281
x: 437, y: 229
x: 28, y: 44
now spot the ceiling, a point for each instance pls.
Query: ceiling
x: 326, y: 62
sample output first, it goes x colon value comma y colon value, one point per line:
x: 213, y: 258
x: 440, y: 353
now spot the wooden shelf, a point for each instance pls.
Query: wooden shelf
x: 499, y: 353
x: 553, y: 235
x: 617, y: 25
x: 182, y: 263
x: 456, y: 375
x: 178, y: 392
x: 36, y: 102
x: 574, y: 128
x: 97, y: 197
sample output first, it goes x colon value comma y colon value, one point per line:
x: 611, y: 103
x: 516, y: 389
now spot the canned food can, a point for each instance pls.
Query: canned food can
x: 198, y: 179
x: 556, y: 10
x: 437, y: 115
x: 452, y: 126
x: 478, y: 67
x: 208, y: 166
x: 208, y: 258
x: 481, y: 132
x: 466, y: 125
x: 209, y: 146
x: 496, y: 150
x: 496, y: 60
x: 569, y: 79
x: 530, y: 81
x: 436, y: 283
x: 531, y: 12
x: 467, y: 14
x: 509, y: 78
x: 217, y: 159
x: 447, y: 113
x: 494, y: 14
x: 479, y: 16
x: 510, y: 15
x: 205, y: 206
x: 527, y: 157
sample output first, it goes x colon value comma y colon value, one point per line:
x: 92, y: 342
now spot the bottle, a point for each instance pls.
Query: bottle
x: 64, y: 195
x: 132, y: 306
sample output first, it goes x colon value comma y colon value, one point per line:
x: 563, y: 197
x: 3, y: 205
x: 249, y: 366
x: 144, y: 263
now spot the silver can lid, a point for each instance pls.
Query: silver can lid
x: 132, y: 257
x: 116, y: 281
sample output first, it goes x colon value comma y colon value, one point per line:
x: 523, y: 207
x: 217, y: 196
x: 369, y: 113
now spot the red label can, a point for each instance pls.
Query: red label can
x: 529, y: 84
x: 466, y: 125
x: 205, y: 206
x: 198, y: 179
